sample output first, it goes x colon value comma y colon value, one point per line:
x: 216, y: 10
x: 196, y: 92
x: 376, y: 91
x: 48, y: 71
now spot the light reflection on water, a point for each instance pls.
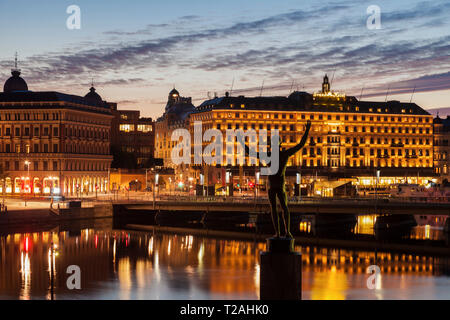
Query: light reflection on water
x: 138, y: 265
x: 427, y: 229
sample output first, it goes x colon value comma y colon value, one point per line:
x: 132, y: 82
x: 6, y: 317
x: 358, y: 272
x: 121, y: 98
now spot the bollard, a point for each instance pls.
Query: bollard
x: 280, y: 271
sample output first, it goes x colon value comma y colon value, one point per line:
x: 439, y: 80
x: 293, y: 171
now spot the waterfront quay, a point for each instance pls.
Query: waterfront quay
x: 358, y: 206
x: 42, y: 210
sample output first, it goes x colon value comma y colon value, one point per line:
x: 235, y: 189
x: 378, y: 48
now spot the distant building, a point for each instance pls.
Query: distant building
x: 133, y: 135
x: 51, y: 142
x: 442, y: 147
x: 176, y: 115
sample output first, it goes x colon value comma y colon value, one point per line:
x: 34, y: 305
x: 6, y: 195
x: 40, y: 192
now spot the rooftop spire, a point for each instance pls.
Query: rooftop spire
x: 15, y: 69
x: 325, y: 85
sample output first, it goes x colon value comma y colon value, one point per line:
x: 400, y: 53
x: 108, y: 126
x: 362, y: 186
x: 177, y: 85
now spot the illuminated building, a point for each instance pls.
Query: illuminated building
x: 442, y: 147
x: 350, y: 140
x: 52, y: 143
x: 176, y: 115
x: 132, y: 134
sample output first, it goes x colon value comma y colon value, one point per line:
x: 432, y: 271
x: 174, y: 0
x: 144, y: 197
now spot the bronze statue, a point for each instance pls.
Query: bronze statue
x: 277, y: 183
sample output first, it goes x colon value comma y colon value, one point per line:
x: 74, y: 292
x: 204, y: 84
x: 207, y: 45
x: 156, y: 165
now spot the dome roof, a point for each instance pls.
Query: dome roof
x: 93, y: 96
x: 15, y: 83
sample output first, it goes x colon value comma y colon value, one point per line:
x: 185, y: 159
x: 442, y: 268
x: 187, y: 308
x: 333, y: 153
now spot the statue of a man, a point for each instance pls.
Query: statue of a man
x: 277, y: 183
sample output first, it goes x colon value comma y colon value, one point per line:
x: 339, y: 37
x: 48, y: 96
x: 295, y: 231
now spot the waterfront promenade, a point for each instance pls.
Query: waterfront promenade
x: 305, y: 205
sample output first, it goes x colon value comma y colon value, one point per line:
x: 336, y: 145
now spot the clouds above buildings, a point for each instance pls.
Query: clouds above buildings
x: 287, y: 47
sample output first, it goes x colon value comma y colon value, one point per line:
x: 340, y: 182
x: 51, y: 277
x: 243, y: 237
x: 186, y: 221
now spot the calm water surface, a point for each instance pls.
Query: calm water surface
x: 119, y: 264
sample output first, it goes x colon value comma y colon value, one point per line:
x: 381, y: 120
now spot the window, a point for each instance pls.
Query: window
x: 126, y: 127
x: 8, y: 148
x: 27, y: 131
x: 17, y: 132
x: 36, y: 148
x: 55, y: 131
x: 8, y: 132
x: 17, y: 148
x: 36, y: 131
x: 45, y: 165
x: 35, y: 166
x: 144, y: 127
x: 55, y: 165
x: 55, y: 148
x: 46, y: 147
x: 45, y: 131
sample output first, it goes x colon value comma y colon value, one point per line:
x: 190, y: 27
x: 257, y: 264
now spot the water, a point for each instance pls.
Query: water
x: 120, y: 264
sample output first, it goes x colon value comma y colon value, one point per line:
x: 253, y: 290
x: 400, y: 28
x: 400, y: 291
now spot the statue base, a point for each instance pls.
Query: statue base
x: 280, y: 271
x: 280, y: 245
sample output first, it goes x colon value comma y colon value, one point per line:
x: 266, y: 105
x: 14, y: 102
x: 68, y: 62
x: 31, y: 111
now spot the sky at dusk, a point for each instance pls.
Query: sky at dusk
x: 137, y: 50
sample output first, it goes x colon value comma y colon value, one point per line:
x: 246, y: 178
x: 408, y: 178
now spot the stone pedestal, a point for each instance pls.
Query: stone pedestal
x: 280, y: 271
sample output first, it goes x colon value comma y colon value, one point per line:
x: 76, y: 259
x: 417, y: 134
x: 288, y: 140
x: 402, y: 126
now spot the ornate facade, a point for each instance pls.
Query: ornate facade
x: 176, y: 116
x: 53, y: 143
x: 349, y: 139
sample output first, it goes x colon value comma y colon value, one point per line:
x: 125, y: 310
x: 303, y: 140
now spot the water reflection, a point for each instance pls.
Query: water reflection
x: 118, y: 264
x: 25, y: 271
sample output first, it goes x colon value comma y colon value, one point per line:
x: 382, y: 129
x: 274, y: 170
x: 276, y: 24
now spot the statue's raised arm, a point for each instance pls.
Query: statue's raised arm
x: 295, y: 149
x: 247, y: 151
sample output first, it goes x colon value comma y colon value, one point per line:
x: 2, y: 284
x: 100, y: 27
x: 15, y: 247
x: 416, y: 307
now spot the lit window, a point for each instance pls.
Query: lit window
x: 144, y: 127
x: 126, y: 127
